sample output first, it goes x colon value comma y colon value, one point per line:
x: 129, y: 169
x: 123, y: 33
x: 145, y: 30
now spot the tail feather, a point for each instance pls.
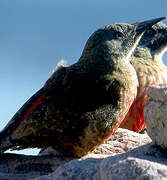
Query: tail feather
x: 21, y: 114
x: 5, y: 143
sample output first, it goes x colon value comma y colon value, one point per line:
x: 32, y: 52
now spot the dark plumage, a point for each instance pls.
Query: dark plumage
x: 83, y: 104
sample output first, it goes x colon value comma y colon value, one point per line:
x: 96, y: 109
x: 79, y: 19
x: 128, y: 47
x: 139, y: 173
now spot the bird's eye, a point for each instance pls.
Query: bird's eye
x: 151, y: 31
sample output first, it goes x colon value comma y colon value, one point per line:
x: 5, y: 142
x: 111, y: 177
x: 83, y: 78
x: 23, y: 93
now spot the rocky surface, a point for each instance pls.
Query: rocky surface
x: 147, y: 162
x: 156, y: 114
x: 15, y: 166
x: 23, y: 167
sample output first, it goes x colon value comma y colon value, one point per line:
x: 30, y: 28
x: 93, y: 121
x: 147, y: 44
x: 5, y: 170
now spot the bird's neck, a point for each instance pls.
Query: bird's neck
x: 142, y: 52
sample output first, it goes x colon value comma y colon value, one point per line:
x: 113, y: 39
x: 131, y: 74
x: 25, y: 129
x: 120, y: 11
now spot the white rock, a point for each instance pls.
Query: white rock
x: 143, y: 163
x: 155, y: 114
x: 132, y: 168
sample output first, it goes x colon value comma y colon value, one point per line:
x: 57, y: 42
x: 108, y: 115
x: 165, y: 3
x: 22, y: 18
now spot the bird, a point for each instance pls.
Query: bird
x: 150, y: 69
x: 81, y: 105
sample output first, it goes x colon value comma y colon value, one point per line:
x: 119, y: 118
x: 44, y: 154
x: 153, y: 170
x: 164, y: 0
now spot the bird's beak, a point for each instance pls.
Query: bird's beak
x: 143, y: 26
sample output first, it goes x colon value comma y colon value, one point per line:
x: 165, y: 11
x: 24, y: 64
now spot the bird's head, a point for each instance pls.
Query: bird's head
x: 117, y: 41
x: 154, y: 42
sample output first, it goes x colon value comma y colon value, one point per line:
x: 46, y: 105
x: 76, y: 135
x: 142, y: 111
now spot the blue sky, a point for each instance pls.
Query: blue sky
x: 36, y: 34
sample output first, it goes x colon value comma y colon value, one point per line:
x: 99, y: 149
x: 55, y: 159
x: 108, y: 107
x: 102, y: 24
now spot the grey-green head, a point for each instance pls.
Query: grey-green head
x: 116, y: 41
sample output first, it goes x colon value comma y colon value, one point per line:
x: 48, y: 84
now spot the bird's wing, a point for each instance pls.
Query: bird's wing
x: 23, y: 112
x: 21, y: 122
x: 10, y: 131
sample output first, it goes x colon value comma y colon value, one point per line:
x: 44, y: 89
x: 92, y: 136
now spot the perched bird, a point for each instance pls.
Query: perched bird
x: 80, y: 106
x: 147, y: 61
